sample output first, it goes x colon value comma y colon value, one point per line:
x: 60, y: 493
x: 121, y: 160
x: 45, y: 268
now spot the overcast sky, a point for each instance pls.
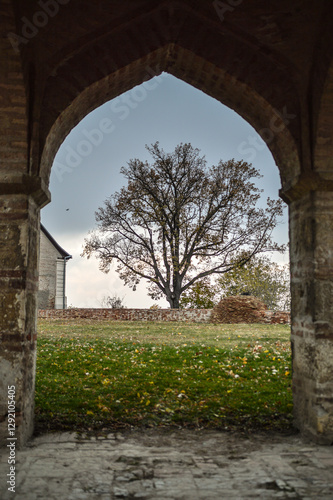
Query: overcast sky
x: 86, y: 169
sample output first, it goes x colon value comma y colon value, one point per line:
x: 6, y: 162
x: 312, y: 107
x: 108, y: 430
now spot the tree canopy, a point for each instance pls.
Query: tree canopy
x: 203, y: 294
x: 259, y: 277
x: 178, y: 220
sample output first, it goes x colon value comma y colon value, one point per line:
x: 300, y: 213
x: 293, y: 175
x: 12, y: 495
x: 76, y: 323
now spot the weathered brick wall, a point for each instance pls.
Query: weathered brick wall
x: 196, y: 315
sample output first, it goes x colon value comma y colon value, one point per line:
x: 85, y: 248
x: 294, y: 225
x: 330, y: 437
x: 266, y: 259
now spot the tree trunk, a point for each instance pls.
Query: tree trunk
x: 174, y: 302
x: 175, y: 295
x: 173, y: 299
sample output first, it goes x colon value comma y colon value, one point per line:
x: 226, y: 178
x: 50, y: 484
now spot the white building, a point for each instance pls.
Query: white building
x: 52, y: 273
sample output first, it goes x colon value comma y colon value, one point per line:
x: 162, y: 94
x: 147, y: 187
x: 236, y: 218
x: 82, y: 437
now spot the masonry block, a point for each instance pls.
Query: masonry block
x: 19, y: 230
x: 311, y: 255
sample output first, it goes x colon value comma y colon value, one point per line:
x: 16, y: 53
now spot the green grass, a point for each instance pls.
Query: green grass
x: 94, y: 375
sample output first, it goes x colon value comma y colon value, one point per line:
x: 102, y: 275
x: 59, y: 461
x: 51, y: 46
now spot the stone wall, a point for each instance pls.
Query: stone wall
x: 191, y: 315
x: 195, y: 315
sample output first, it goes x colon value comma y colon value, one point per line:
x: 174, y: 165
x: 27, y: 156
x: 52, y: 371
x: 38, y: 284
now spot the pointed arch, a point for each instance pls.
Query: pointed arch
x: 115, y: 60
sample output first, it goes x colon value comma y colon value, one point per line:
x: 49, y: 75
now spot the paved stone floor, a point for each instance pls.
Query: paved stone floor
x: 161, y: 465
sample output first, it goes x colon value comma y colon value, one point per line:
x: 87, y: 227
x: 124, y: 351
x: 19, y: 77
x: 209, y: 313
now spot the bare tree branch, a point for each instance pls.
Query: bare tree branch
x: 178, y: 221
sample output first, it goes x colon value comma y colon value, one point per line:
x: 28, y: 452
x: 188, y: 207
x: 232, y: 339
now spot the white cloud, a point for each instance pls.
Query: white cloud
x: 86, y: 285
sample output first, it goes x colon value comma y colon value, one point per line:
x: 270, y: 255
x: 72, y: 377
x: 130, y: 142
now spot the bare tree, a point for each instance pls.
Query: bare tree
x: 113, y: 302
x: 178, y: 221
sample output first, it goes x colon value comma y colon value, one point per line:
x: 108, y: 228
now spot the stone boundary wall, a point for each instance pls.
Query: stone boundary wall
x: 190, y: 315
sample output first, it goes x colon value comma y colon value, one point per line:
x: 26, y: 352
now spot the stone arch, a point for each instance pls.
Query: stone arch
x: 271, y: 123
x: 253, y: 57
x: 319, y: 171
x: 323, y: 132
x: 89, y: 75
x: 14, y: 109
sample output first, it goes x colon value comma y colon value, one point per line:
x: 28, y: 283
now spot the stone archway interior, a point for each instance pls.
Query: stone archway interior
x: 61, y: 59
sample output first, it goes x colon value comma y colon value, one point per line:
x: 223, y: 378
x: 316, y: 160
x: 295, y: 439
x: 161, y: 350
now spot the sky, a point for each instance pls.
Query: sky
x: 86, y: 170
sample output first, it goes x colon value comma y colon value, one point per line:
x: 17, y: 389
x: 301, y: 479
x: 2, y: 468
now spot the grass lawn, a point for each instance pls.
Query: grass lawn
x: 95, y: 375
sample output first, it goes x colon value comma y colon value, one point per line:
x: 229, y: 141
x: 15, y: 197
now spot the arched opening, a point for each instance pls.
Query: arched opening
x: 272, y: 124
x: 89, y: 162
x: 255, y: 59
x: 112, y: 112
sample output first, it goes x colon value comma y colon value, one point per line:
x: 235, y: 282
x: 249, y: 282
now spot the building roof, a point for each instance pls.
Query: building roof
x: 54, y: 243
